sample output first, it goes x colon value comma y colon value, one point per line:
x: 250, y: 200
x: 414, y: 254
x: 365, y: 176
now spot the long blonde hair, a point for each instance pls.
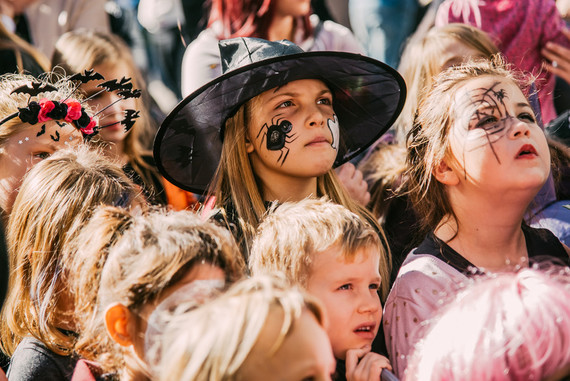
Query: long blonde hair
x: 81, y: 50
x: 56, y: 199
x: 131, y: 258
x: 235, y: 184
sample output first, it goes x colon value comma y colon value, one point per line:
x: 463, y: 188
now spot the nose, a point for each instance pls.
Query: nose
x: 369, y: 302
x: 315, y: 117
x: 518, y: 128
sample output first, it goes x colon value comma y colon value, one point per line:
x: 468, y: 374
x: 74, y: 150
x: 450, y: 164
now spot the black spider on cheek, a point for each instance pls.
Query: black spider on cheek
x: 277, y: 135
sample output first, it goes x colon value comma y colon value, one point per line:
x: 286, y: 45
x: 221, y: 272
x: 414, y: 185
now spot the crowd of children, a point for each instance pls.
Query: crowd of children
x: 238, y: 250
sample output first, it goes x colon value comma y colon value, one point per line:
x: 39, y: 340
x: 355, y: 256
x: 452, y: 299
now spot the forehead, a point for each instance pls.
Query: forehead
x: 334, y: 261
x: 488, y: 90
x: 300, y: 86
x: 455, y: 52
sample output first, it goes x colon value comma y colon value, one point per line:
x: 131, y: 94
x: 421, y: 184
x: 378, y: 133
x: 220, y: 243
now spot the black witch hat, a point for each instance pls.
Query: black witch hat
x: 368, y: 96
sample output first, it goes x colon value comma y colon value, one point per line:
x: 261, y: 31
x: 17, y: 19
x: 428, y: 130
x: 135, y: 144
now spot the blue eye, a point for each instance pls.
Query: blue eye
x: 374, y: 286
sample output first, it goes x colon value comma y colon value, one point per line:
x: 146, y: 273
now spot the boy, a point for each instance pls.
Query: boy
x: 335, y: 256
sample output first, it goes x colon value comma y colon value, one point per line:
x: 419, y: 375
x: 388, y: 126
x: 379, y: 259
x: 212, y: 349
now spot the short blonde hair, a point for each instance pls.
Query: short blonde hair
x: 428, y: 141
x: 134, y: 257
x: 213, y: 341
x: 56, y: 199
x: 293, y: 232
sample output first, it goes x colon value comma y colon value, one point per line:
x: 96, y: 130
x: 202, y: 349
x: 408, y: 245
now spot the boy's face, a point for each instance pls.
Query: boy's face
x: 349, y: 292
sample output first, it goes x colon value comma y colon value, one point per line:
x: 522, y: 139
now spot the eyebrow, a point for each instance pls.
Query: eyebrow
x: 295, y: 94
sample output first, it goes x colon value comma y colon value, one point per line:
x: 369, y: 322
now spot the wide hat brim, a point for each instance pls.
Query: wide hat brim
x: 368, y: 96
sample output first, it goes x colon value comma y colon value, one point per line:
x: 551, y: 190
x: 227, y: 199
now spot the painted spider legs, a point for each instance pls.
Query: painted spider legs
x: 277, y: 136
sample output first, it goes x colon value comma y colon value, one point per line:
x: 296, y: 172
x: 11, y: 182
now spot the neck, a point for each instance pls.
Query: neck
x: 487, y: 231
x: 281, y: 28
x: 289, y: 189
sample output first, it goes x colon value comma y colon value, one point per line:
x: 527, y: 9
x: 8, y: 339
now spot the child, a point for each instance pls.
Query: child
x: 335, y: 256
x: 127, y: 263
x: 476, y: 159
x: 24, y: 142
x: 274, y: 124
x: 258, y: 329
x: 510, y: 326
x: 109, y: 56
x: 57, y: 197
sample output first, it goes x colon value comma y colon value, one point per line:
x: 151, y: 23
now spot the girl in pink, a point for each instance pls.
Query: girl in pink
x: 521, y: 29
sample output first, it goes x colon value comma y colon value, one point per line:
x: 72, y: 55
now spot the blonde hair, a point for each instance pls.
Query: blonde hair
x: 236, y: 184
x: 133, y: 257
x: 56, y: 199
x: 81, y: 50
x: 428, y: 141
x: 419, y: 73
x: 214, y: 341
x: 294, y: 232
x: 11, y: 102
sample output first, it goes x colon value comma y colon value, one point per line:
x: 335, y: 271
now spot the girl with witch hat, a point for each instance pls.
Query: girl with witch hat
x: 273, y: 126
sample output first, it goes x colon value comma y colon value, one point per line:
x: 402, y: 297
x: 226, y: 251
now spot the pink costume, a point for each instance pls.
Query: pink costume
x: 520, y: 28
x: 422, y: 285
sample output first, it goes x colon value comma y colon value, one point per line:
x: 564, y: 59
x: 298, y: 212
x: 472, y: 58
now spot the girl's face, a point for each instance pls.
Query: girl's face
x: 295, y: 8
x: 305, y: 354
x: 495, y: 139
x: 293, y: 131
x: 28, y: 147
x: 115, y: 113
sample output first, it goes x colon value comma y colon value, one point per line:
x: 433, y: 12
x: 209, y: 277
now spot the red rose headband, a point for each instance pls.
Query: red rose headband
x: 71, y: 110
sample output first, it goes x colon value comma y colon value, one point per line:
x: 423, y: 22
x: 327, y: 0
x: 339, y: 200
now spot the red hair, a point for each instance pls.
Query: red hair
x: 248, y: 18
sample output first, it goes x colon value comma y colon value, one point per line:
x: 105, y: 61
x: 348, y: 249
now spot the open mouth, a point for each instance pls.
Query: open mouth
x: 365, y: 329
x: 527, y: 150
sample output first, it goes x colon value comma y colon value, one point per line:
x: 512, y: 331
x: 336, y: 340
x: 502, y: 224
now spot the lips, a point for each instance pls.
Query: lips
x: 319, y: 140
x: 527, y: 151
x: 366, y: 330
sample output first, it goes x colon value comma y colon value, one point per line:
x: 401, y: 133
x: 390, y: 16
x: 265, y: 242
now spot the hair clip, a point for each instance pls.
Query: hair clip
x: 71, y: 110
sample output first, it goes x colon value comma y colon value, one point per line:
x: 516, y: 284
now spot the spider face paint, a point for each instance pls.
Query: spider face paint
x: 277, y: 135
x: 488, y: 111
x: 494, y: 138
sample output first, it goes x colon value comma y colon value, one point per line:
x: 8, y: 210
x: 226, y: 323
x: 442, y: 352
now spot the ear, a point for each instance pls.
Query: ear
x: 445, y: 174
x: 118, y: 319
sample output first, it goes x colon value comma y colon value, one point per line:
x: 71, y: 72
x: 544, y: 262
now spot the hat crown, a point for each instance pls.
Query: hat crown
x: 242, y: 51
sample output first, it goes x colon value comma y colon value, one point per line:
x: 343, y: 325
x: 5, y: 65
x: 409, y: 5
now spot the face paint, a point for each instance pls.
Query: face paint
x: 333, y: 126
x: 277, y: 136
x: 490, y: 113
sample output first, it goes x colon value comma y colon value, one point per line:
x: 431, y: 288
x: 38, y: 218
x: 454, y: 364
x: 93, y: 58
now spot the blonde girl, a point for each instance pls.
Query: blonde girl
x: 57, y: 197
x: 109, y: 56
x: 126, y: 263
x: 258, y: 329
x: 272, y: 127
x: 476, y: 158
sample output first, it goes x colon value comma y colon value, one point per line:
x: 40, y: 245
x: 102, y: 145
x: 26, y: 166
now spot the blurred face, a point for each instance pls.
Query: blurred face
x: 28, y: 147
x: 456, y: 53
x: 295, y: 8
x: 198, y: 272
x: 349, y: 292
x: 115, y: 113
x: 305, y: 354
x: 495, y: 140
x: 293, y: 132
